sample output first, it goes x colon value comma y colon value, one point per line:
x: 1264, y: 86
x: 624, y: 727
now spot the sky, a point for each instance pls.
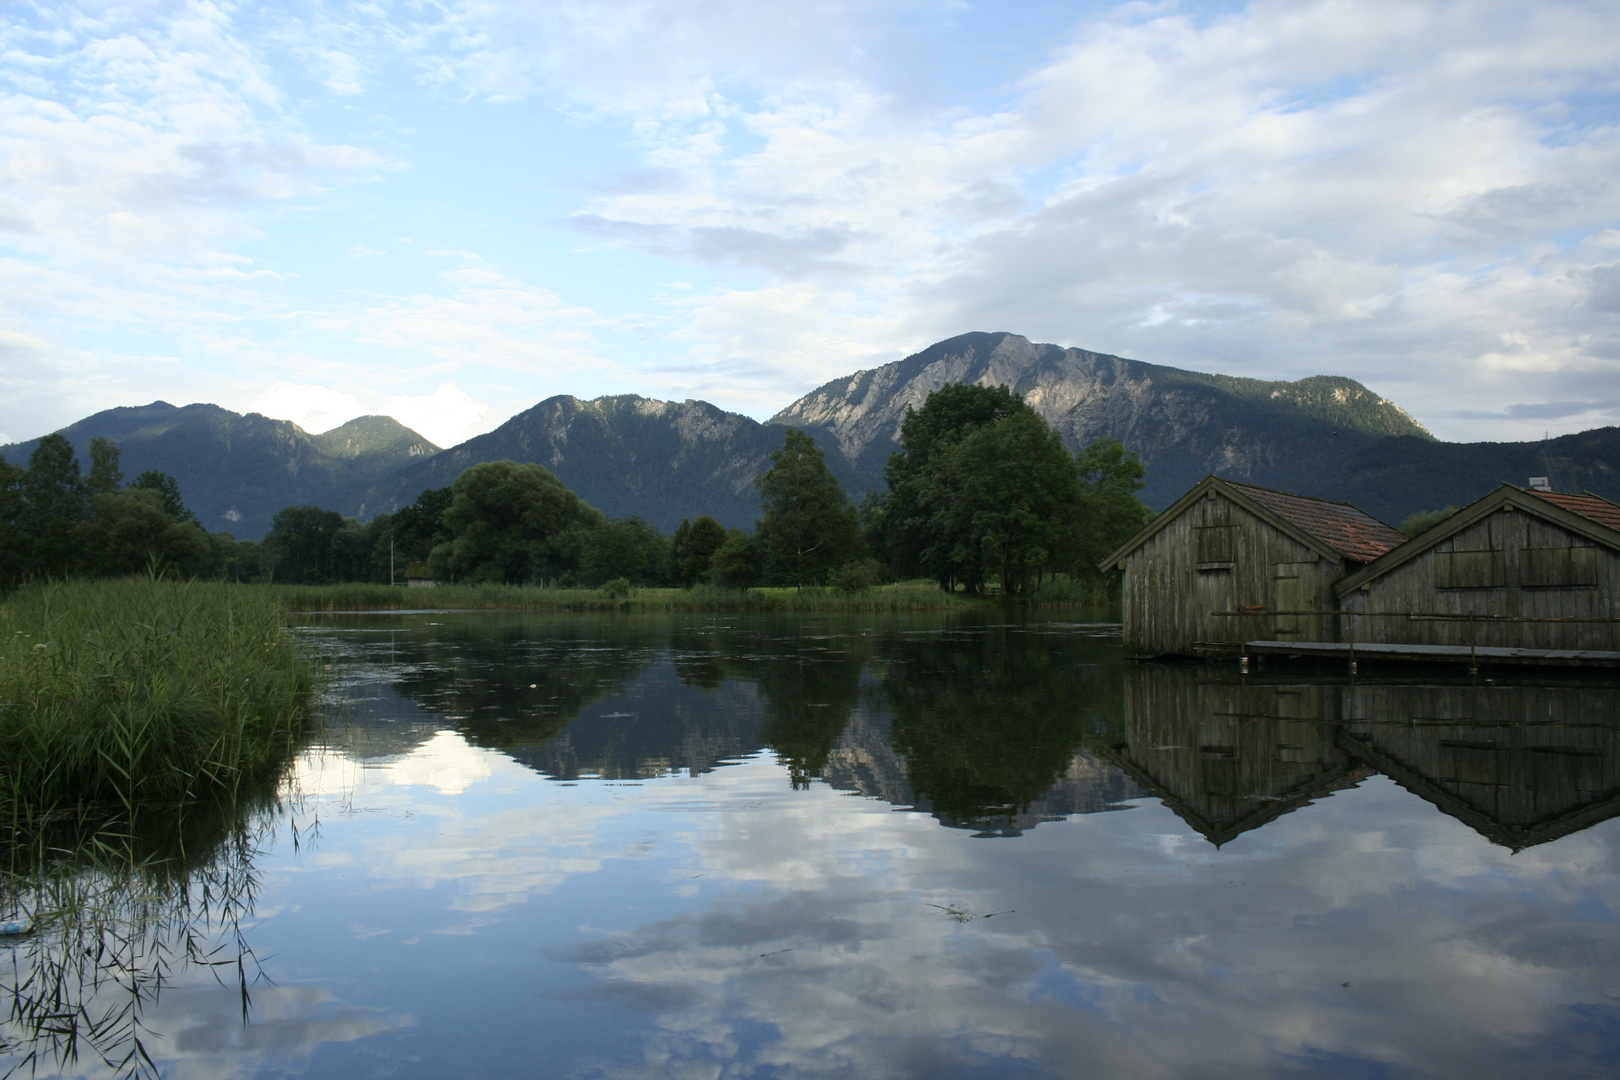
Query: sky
x: 449, y: 210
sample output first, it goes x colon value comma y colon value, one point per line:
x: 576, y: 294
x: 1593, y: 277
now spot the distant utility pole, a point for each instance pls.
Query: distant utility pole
x: 390, y: 560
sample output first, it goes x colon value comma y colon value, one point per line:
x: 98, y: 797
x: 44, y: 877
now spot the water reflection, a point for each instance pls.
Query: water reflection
x: 120, y: 912
x: 1522, y: 763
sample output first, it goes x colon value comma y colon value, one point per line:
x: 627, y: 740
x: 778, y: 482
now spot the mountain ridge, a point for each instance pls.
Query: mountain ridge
x: 665, y: 460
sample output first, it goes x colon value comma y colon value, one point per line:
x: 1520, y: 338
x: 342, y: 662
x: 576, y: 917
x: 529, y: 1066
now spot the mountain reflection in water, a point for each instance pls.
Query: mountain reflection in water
x: 735, y: 847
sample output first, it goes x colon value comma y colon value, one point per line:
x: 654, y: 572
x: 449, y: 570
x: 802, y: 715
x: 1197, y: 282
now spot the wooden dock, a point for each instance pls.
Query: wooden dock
x: 1474, y: 656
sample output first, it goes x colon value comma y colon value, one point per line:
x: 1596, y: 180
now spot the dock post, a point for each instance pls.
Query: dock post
x: 1473, y: 656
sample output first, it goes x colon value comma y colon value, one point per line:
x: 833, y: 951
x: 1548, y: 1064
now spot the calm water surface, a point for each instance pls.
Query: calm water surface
x: 922, y: 847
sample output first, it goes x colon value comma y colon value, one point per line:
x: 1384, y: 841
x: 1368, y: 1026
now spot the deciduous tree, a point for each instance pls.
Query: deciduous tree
x: 512, y: 523
x: 809, y: 526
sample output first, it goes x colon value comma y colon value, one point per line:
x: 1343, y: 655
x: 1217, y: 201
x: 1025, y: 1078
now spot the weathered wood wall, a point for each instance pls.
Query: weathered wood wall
x: 1511, y: 564
x: 1217, y: 556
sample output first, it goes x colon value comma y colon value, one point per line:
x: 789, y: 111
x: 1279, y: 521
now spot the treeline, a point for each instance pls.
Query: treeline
x: 982, y: 492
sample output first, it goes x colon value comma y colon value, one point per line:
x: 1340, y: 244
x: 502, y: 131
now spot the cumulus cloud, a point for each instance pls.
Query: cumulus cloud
x: 1417, y: 194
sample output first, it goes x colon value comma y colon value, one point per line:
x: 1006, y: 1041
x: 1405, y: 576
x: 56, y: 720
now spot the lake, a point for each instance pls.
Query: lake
x: 923, y: 846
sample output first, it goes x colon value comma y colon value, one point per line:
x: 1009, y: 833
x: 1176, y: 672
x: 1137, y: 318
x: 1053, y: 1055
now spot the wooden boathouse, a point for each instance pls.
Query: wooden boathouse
x: 1518, y: 576
x: 1230, y: 563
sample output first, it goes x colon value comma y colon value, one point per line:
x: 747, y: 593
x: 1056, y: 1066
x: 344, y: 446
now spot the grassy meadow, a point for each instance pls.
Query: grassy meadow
x: 134, y: 691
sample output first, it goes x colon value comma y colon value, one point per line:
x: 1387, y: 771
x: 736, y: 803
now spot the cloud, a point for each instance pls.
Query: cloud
x: 1382, y: 190
x: 313, y: 408
x: 447, y: 416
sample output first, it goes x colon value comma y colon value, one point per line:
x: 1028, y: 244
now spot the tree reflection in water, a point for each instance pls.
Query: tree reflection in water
x: 119, y: 912
x: 989, y: 721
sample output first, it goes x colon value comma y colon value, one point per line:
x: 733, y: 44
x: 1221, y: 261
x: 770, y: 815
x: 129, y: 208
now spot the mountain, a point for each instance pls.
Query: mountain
x: 373, y: 445
x: 661, y: 460
x: 1392, y: 478
x: 665, y: 460
x: 1184, y: 425
x: 236, y: 471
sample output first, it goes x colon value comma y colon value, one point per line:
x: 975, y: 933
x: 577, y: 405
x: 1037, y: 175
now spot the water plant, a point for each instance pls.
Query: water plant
x: 115, y: 694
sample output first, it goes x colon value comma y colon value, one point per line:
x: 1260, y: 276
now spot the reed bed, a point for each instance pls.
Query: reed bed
x: 137, y: 691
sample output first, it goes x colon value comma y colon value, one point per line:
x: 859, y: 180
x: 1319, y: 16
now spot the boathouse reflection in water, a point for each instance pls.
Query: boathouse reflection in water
x: 1520, y: 763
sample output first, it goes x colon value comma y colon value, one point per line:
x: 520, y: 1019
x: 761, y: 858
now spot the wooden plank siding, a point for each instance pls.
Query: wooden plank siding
x: 1211, y: 553
x: 1509, y: 562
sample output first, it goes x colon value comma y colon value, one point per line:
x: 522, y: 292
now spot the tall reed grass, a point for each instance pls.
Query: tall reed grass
x: 139, y: 691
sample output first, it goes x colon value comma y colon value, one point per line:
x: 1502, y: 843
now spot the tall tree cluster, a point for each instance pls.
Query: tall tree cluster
x: 982, y: 489
x: 981, y: 492
x: 57, y: 521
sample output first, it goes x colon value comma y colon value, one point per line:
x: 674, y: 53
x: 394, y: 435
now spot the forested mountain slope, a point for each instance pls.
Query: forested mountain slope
x: 236, y: 471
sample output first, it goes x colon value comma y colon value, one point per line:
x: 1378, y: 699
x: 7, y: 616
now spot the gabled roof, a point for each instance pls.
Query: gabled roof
x: 1354, y: 534
x: 1598, y: 509
x: 1335, y: 530
x: 1545, y: 505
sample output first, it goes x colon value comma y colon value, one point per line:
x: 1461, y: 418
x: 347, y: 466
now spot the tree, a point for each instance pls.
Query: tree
x: 735, y: 564
x: 105, y: 475
x: 168, y: 491
x: 13, y: 541
x: 692, y: 549
x: 809, y: 526
x: 132, y: 533
x: 628, y: 548
x: 512, y: 523
x: 299, y: 546
x: 54, y: 503
x: 981, y: 486
x: 418, y: 528
x: 1108, y: 512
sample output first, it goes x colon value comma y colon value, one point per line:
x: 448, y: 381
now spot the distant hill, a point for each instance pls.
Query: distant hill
x: 664, y: 460
x: 236, y: 471
x: 661, y: 460
x: 1392, y: 478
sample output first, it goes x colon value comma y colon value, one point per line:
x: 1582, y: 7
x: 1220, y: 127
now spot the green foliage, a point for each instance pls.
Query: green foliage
x: 628, y: 548
x: 981, y: 487
x: 168, y: 492
x: 1108, y: 513
x: 105, y: 475
x: 300, y: 547
x: 736, y: 563
x: 54, y: 503
x: 616, y: 589
x: 512, y: 523
x: 14, y: 541
x: 809, y: 525
x: 692, y: 549
x: 1008, y: 492
x: 131, y: 534
x: 857, y: 576
x: 418, y: 528
x: 1424, y: 520
x: 137, y: 690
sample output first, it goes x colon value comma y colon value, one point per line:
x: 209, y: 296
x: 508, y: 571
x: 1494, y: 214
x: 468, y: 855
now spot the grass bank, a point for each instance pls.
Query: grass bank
x: 906, y: 596
x: 137, y: 691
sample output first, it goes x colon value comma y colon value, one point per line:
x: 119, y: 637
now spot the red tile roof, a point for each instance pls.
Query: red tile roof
x: 1599, y: 510
x: 1353, y: 533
